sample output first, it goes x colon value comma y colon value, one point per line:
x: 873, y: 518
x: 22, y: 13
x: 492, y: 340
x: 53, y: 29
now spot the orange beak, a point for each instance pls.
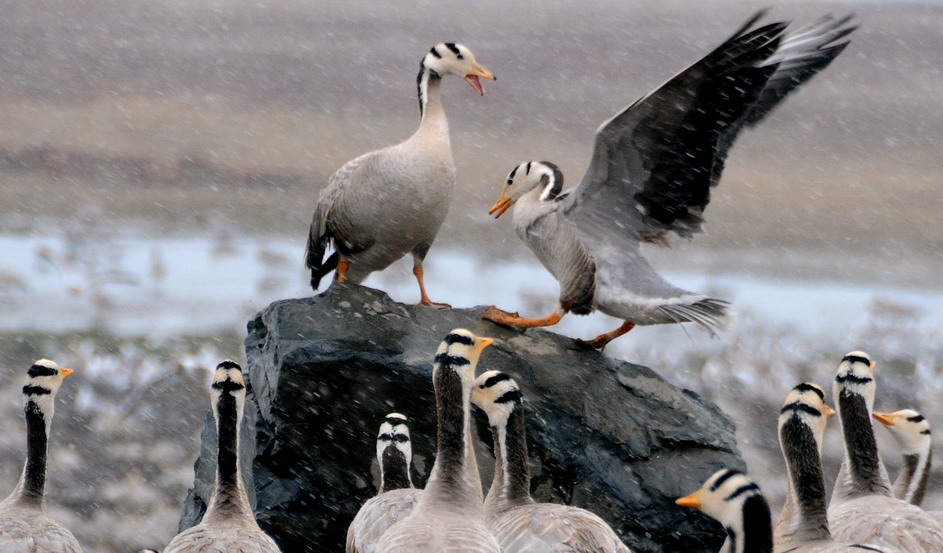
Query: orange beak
x: 472, y: 78
x: 693, y: 500
x: 829, y: 412
x: 484, y: 342
x: 503, y: 204
x: 65, y: 372
x: 886, y: 418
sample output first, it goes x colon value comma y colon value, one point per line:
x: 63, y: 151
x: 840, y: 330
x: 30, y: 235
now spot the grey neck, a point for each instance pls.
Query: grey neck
x: 861, y: 472
x: 805, y: 519
x: 394, y: 470
x: 511, y: 484
x: 911, y: 484
x: 229, y: 499
x: 30, y: 490
x: 430, y: 103
x: 453, y: 482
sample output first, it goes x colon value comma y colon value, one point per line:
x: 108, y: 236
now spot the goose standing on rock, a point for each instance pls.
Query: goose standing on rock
x: 391, y: 202
x: 396, y: 497
x: 734, y: 500
x: 228, y: 524
x: 912, y: 432
x: 520, y: 524
x: 448, y: 517
x: 803, y: 525
x: 862, y: 507
x: 651, y: 173
x: 24, y: 525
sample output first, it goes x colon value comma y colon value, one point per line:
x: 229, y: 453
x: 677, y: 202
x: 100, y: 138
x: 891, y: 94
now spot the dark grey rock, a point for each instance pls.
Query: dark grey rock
x: 604, y: 434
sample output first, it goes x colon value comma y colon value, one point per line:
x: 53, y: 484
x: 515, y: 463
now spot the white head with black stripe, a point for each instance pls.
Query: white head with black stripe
x: 228, y: 380
x: 734, y: 500
x: 448, y: 58
x: 856, y: 376
x: 497, y: 394
x: 527, y: 176
x: 910, y: 429
x: 459, y: 351
x: 806, y: 402
x: 394, y: 432
x: 42, y: 382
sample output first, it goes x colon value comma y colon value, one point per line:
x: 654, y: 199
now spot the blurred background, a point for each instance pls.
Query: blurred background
x: 160, y: 160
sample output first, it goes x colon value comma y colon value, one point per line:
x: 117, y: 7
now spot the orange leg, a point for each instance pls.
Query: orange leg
x: 501, y: 317
x: 417, y: 270
x: 342, y: 267
x: 600, y: 342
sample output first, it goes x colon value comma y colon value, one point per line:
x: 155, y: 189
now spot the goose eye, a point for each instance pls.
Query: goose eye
x: 510, y: 181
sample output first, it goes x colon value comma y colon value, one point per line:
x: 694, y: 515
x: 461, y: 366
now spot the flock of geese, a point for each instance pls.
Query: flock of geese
x: 451, y: 515
x: 653, y: 166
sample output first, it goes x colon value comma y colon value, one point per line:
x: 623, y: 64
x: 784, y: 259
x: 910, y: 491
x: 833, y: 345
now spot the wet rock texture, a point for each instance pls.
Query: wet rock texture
x: 604, y: 434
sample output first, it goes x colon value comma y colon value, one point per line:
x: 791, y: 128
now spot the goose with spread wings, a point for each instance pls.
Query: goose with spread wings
x: 651, y: 173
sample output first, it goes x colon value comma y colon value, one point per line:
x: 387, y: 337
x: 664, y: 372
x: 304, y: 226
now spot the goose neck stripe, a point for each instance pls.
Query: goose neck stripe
x: 41, y: 370
x: 800, y: 407
x: 806, y: 387
x: 856, y: 359
x: 742, y: 490
x: 459, y: 339
x: 508, y: 397
x: 32, y: 390
x: 500, y: 377
x: 393, y: 438
x: 227, y: 386
x: 915, y: 418
x: 853, y: 379
x: 723, y: 478
x: 453, y: 360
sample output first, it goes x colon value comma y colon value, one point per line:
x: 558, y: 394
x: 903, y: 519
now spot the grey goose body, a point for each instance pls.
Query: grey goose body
x: 862, y: 507
x: 520, y: 524
x: 653, y: 167
x: 391, y: 202
x: 24, y: 525
x: 396, y: 497
x: 228, y: 524
x: 448, y: 517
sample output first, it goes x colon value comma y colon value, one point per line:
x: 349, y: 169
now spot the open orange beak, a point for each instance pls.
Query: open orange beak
x: 472, y: 78
x: 693, y: 500
x: 65, y: 372
x: 886, y: 418
x: 503, y: 204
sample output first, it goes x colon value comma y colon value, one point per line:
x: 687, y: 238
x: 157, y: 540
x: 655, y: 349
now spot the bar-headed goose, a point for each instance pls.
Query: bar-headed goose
x: 862, y: 507
x: 391, y: 202
x: 652, y: 170
x: 912, y: 432
x: 520, y: 524
x: 448, y: 517
x: 730, y: 497
x: 803, y: 526
x: 396, y: 497
x: 24, y: 524
x: 228, y: 524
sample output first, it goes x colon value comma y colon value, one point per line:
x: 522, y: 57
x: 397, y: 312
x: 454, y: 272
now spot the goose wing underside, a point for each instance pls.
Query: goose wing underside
x: 655, y: 162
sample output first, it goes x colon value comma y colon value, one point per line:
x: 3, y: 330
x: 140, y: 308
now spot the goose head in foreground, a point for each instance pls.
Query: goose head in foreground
x: 391, y: 202
x: 394, y: 453
x: 24, y: 524
x: 651, y: 174
x: 912, y: 432
x: 734, y: 500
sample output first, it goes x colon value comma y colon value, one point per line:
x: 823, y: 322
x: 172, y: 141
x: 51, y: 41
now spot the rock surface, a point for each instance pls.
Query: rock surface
x: 604, y: 434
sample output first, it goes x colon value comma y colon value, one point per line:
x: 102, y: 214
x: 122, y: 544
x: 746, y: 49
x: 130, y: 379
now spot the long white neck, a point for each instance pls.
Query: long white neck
x: 511, y: 485
x: 911, y: 483
x: 434, y: 126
